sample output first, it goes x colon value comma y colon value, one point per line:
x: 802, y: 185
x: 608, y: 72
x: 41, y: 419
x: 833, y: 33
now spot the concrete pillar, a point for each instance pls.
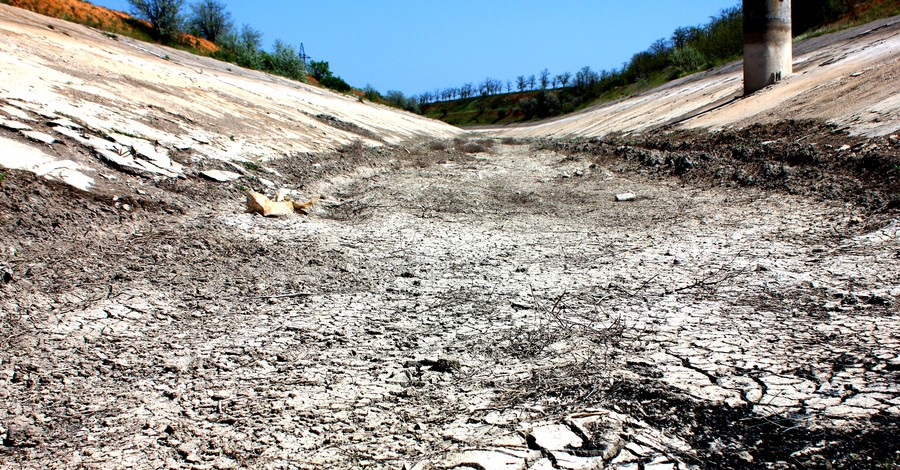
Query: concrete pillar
x: 768, y: 49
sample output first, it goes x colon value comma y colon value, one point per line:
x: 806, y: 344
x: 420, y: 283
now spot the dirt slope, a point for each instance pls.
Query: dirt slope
x: 847, y: 78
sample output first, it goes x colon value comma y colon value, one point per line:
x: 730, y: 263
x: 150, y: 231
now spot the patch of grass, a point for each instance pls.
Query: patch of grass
x: 125, y: 133
x: 252, y: 166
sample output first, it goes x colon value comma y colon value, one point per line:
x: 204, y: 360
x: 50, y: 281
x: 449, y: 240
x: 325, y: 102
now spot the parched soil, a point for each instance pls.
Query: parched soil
x: 472, y: 304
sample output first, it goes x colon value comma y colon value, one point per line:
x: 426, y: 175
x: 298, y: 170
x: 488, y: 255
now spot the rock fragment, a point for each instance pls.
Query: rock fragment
x: 625, y: 197
x: 63, y: 122
x: 220, y: 176
x: 17, y: 113
x: 261, y: 204
x: 485, y: 459
x: 14, y: 125
x: 39, y: 137
x: 554, y: 437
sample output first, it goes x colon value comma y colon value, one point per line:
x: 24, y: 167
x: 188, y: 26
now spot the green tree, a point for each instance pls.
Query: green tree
x: 320, y: 70
x: 164, y: 16
x: 210, y: 20
x: 285, y: 61
x: 686, y: 59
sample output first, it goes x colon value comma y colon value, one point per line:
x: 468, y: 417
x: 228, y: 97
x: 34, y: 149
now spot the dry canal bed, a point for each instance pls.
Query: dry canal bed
x: 491, y: 309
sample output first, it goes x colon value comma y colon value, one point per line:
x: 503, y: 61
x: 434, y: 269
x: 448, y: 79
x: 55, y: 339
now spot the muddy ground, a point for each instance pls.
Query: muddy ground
x: 482, y: 304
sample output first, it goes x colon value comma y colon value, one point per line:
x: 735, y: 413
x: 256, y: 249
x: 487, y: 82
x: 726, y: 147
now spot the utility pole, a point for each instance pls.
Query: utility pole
x: 768, y: 45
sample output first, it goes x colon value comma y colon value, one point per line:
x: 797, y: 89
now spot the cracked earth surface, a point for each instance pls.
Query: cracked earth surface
x: 497, y: 310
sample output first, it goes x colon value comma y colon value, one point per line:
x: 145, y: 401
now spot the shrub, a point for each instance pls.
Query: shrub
x: 164, y: 16
x: 687, y: 59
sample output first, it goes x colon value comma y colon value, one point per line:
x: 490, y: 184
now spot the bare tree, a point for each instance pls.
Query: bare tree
x: 531, y: 82
x: 563, y: 79
x: 545, y: 79
x: 210, y: 20
x: 467, y: 90
x: 164, y: 15
x: 521, y: 83
x: 486, y: 87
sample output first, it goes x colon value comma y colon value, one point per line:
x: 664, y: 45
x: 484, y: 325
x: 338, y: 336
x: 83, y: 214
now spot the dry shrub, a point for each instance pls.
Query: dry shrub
x: 354, y: 149
x: 438, y: 145
x: 473, y: 146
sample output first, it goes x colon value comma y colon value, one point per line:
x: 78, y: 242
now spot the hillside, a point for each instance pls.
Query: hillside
x: 169, y: 101
x: 111, y: 21
x: 715, y: 43
x: 845, y: 78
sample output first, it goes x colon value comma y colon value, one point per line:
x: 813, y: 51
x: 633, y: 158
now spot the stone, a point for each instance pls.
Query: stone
x: 14, y: 125
x: 554, y: 437
x: 21, y: 156
x: 568, y: 461
x: 542, y: 464
x: 442, y: 365
x: 21, y: 433
x: 603, y: 432
x: 63, y: 122
x: 40, y: 137
x: 485, y: 459
x: 261, y: 204
x: 144, y: 149
x: 17, y: 113
x: 625, y: 197
x: 220, y: 176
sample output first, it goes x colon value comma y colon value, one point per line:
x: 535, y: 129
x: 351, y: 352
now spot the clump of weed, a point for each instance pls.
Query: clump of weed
x: 473, y: 146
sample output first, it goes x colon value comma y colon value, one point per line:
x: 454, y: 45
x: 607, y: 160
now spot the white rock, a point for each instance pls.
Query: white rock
x: 220, y: 175
x: 542, y: 464
x: 21, y: 156
x: 486, y: 459
x: 17, y: 113
x: 36, y: 136
x: 625, y: 197
x: 14, y: 125
x: 566, y: 460
x: 555, y: 437
x: 64, y: 123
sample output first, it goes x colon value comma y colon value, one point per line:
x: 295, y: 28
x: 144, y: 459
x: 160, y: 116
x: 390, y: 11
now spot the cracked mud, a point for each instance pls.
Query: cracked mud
x: 445, y: 309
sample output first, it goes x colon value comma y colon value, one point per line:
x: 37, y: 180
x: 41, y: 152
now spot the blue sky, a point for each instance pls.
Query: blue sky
x: 423, y: 45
